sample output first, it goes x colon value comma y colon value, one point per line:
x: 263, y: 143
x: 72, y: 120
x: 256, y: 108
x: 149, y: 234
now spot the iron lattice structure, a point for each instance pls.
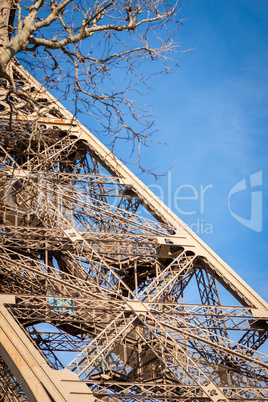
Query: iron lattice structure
x: 98, y: 302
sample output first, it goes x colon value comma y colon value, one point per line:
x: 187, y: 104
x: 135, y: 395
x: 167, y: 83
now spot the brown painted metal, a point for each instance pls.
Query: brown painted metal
x: 98, y: 302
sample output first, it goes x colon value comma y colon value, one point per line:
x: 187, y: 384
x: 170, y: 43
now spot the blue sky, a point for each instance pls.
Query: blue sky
x: 212, y: 115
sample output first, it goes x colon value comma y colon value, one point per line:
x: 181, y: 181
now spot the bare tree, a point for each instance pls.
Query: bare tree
x: 92, y: 51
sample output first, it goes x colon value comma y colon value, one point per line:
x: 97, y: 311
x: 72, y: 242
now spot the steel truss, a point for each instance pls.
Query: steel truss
x: 98, y: 302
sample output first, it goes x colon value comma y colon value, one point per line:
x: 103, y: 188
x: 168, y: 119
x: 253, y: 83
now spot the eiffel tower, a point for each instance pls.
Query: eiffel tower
x: 98, y: 302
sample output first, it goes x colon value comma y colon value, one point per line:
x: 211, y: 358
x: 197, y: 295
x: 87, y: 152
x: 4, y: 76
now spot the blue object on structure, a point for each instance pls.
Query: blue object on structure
x: 60, y: 305
x: 103, y: 363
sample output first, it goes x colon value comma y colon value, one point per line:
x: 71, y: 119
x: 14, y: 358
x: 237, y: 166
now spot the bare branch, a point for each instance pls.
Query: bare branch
x: 79, y: 48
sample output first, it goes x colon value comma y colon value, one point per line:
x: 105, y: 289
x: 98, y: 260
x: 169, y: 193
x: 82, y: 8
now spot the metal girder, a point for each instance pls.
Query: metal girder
x: 209, y: 295
x: 37, y: 380
x: 10, y: 390
x: 84, y: 272
x: 158, y: 209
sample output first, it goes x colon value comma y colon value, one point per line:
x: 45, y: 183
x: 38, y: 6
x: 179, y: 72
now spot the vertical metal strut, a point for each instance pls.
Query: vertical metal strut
x: 99, y: 299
